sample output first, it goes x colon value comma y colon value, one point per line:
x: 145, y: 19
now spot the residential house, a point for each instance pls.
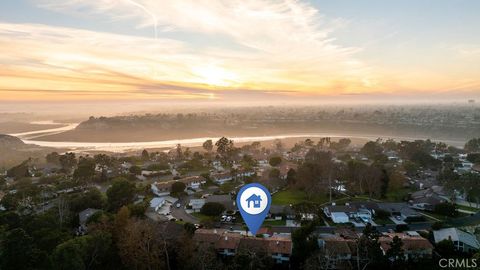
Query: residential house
x: 196, y: 204
x: 278, y: 212
x: 414, y: 246
x: 163, y: 188
x: 222, y: 178
x: 285, y: 167
x: 400, y: 210
x: 229, y: 243
x: 84, y: 215
x: 225, y: 200
x: 339, y: 250
x: 427, y: 199
x: 343, y: 213
x: 156, y: 203
x: 280, y: 248
x: 463, y: 241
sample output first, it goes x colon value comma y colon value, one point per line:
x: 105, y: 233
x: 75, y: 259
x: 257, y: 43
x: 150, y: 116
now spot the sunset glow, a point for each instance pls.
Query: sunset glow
x: 144, y: 49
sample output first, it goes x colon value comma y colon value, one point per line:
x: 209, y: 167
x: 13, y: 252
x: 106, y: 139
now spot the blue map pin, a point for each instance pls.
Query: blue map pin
x: 253, y: 201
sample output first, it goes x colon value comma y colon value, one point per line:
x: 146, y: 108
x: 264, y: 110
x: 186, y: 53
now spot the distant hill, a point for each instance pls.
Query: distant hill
x: 454, y: 123
x: 13, y: 151
x: 7, y: 141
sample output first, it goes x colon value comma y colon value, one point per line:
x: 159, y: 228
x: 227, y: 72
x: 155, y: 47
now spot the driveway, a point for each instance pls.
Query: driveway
x: 180, y: 213
x: 396, y: 221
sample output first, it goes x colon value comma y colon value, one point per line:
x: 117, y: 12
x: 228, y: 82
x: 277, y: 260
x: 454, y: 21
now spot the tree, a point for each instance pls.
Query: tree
x: 445, y: 209
x: 303, y: 244
x: 85, y: 252
x: 136, y: 170
x: 178, y: 187
x: 252, y: 258
x: 473, y: 145
x: 275, y: 161
x: 63, y: 209
x: 85, y: 170
x: 224, y: 146
x: 17, y: 251
x: 370, y: 254
x: 92, y: 198
x: 278, y: 145
x: 341, y: 145
x: 179, y: 152
x: 396, y: 254
x: 256, y: 146
x: 212, y: 209
x: 122, y: 217
x: 142, y: 246
x: 371, y: 149
x: 19, y: 171
x: 382, y: 214
x: 120, y: 193
x: 53, y: 158
x: 474, y: 157
x: 68, y: 161
x: 103, y: 160
x: 446, y: 249
x: 208, y: 145
x: 291, y: 177
x: 145, y: 155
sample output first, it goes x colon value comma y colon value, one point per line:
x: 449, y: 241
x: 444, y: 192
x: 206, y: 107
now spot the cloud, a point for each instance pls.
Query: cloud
x: 257, y: 48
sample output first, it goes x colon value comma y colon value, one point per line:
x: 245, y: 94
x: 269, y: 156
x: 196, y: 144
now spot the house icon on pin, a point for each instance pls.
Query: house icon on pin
x: 255, y: 199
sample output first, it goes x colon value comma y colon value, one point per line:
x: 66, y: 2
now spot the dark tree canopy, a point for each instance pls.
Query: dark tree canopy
x: 212, y: 209
x: 120, y: 193
x: 178, y: 187
x: 275, y: 161
x: 473, y: 145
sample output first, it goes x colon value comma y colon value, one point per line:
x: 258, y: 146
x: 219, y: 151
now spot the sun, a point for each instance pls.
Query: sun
x: 214, y: 75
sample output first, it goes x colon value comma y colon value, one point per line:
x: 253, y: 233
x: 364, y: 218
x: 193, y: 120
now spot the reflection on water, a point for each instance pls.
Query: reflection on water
x: 29, y: 138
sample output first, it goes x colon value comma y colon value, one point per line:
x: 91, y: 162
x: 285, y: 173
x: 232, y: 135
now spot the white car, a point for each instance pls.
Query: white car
x: 178, y: 205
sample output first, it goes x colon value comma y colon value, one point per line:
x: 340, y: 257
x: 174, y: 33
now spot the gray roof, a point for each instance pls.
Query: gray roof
x: 402, y: 208
x: 281, y: 209
x: 226, y: 200
x: 341, y: 208
x: 456, y: 235
x: 366, y: 205
x: 85, y: 214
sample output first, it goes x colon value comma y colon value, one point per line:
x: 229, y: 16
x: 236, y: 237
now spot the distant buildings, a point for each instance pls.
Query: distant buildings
x: 164, y: 188
x: 341, y: 248
x: 222, y: 178
x: 343, y: 213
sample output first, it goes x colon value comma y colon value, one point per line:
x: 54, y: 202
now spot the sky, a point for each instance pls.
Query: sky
x: 249, y: 50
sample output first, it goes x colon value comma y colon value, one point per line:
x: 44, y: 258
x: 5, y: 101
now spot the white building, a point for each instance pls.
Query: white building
x: 463, y: 241
x: 196, y: 204
x: 339, y: 217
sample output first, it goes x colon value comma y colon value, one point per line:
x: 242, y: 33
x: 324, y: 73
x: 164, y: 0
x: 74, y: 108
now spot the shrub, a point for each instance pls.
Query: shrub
x: 212, y: 209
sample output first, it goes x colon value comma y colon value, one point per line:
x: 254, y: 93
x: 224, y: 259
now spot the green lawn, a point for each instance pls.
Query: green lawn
x: 288, y: 197
x: 468, y: 208
x: 201, y: 216
x: 274, y: 223
x: 383, y: 221
x: 397, y: 195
